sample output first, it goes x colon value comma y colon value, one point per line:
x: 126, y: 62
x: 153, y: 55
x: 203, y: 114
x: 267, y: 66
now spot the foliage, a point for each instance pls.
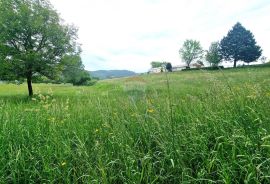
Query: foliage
x: 206, y: 68
x: 5, y: 75
x: 73, y: 70
x: 263, y: 59
x: 120, y: 131
x: 33, y: 40
x: 169, y: 67
x: 157, y: 64
x: 240, y: 45
x: 257, y: 65
x: 191, y: 51
x: 213, y: 55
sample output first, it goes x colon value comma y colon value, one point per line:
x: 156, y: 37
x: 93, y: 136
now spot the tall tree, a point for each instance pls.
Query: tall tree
x: 213, y: 55
x: 191, y: 51
x: 33, y: 40
x: 240, y: 45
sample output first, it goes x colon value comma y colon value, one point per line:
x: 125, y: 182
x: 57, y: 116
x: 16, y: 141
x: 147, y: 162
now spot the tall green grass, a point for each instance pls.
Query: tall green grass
x: 201, y: 127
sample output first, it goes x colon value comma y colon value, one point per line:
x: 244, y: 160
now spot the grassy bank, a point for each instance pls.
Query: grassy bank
x: 187, y: 127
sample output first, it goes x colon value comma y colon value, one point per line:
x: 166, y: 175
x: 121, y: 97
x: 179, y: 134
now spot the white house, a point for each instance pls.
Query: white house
x: 156, y: 70
x: 176, y: 68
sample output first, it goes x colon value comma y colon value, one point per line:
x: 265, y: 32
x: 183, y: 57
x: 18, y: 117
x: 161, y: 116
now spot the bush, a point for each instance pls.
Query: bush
x: 256, y: 66
x: 204, y: 68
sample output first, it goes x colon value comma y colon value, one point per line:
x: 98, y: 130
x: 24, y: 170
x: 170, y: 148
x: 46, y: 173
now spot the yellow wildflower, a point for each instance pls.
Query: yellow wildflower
x: 150, y: 110
x: 63, y: 163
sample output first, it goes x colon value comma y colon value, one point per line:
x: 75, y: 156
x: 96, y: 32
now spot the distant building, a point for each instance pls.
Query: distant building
x: 156, y: 70
x: 176, y: 68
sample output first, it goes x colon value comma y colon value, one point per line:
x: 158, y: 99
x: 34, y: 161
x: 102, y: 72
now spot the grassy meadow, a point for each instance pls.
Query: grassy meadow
x: 184, y: 127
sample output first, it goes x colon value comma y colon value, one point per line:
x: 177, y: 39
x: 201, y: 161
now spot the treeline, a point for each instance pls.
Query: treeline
x: 71, y: 71
x: 238, y: 45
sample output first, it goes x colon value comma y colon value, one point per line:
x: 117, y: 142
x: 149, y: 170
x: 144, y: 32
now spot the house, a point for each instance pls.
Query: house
x: 156, y: 70
x: 176, y: 68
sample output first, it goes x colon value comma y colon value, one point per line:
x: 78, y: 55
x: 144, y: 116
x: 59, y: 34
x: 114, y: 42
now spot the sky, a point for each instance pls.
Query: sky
x: 130, y: 34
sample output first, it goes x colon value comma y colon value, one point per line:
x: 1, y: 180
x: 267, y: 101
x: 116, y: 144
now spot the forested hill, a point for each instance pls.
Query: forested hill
x: 109, y: 74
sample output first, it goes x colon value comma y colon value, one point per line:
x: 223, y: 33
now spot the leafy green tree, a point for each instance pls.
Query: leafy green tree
x: 73, y: 71
x: 213, y: 55
x: 33, y: 40
x: 157, y: 64
x: 240, y: 45
x: 169, y: 67
x: 191, y: 51
x: 4, y: 74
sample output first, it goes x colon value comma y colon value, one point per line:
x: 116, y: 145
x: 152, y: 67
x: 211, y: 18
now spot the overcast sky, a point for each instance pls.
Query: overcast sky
x: 129, y: 34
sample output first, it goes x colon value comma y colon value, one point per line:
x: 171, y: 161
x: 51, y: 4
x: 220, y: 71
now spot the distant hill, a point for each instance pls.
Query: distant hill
x: 110, y: 74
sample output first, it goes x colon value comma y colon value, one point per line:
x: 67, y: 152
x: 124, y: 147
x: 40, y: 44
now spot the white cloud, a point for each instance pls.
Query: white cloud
x: 128, y: 34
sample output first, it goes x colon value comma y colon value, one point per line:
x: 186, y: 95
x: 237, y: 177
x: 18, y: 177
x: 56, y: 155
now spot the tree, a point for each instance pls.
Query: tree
x: 191, y: 51
x: 33, y: 40
x: 240, y: 45
x: 73, y: 71
x: 157, y: 64
x: 213, y: 55
x: 169, y: 67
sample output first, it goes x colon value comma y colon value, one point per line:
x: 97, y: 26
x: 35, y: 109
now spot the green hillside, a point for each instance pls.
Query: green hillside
x: 184, y: 127
x: 110, y: 74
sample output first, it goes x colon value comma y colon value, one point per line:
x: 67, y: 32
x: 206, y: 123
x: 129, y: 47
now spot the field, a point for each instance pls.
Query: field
x: 184, y: 127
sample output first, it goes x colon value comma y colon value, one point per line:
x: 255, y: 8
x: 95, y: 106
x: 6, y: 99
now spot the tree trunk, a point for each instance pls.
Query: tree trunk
x: 234, y: 63
x: 29, y: 85
x: 188, y: 65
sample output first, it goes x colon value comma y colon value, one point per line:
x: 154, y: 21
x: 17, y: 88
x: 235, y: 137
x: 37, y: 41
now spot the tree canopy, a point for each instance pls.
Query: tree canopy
x: 213, y: 55
x: 191, y: 51
x: 240, y: 45
x: 169, y: 67
x: 33, y: 40
x: 157, y: 64
x: 73, y: 71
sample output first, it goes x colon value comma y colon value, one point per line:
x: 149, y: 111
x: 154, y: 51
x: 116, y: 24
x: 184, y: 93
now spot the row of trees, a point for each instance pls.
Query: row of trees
x: 34, y: 42
x: 238, y: 45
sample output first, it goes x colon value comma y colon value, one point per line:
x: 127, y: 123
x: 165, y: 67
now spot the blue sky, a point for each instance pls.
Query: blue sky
x: 129, y: 34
